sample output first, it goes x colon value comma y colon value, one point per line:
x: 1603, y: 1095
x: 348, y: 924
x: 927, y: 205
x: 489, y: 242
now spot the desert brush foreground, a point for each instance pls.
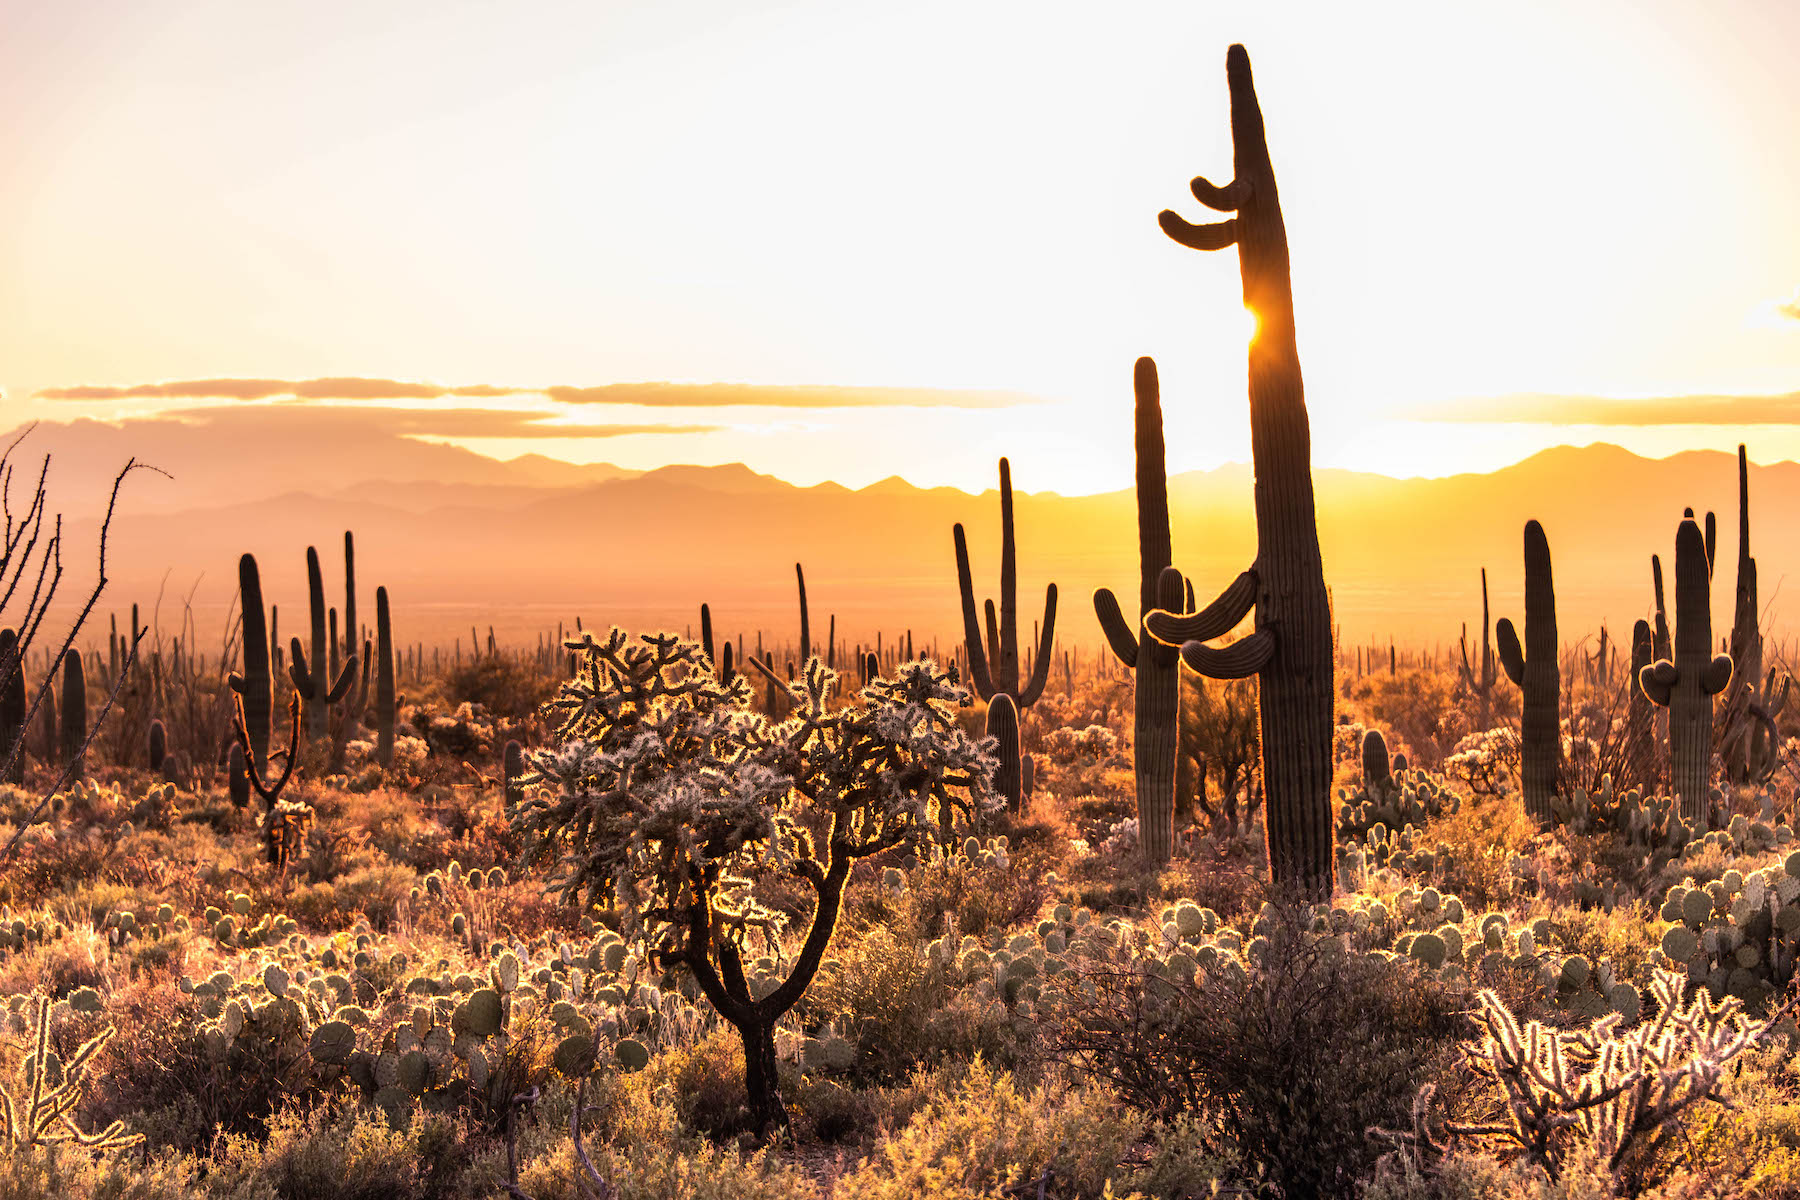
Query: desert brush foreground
x: 645, y: 914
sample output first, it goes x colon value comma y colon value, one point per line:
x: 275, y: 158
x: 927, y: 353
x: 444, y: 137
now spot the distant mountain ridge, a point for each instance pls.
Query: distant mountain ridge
x: 522, y: 544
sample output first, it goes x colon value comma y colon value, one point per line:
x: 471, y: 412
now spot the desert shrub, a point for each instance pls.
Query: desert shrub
x: 373, y: 891
x: 976, y: 895
x: 1483, y: 836
x: 510, y: 687
x: 344, y: 1152
x: 705, y: 1083
x: 880, y: 992
x: 1288, y: 1061
x: 987, y: 1134
x: 1420, y: 710
x: 70, y: 1173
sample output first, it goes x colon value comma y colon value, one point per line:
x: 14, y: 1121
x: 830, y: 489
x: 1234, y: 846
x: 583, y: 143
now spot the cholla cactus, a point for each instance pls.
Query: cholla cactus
x: 1617, y: 1094
x: 666, y: 794
x: 53, y: 1089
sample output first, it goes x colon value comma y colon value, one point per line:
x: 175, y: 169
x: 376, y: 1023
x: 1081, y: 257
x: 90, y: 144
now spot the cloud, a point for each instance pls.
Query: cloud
x: 347, y: 388
x: 643, y: 395
x: 1789, y: 308
x: 1781, y: 409
x: 423, y: 422
x: 720, y: 395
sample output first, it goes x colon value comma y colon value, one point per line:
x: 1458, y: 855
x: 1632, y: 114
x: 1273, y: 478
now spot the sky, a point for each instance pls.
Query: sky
x: 1505, y: 219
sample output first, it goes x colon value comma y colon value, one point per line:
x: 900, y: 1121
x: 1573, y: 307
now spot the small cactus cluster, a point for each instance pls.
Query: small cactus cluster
x: 1738, y: 934
x: 1403, y: 851
x: 1405, y: 797
x: 412, y: 1033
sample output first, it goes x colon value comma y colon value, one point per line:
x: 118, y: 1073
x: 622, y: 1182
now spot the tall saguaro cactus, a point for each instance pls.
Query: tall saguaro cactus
x: 352, y: 633
x: 314, y: 683
x: 74, y: 715
x: 1290, y: 651
x: 254, y: 684
x: 1741, y: 714
x: 1534, y: 669
x: 805, y: 617
x: 12, y: 706
x: 1157, y: 667
x: 1479, y: 682
x: 386, y: 703
x: 1687, y: 685
x: 1640, y: 738
x: 994, y: 666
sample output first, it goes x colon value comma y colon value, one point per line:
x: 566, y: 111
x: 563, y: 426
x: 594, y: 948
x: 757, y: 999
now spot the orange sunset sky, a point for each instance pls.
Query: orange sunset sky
x: 1513, y: 225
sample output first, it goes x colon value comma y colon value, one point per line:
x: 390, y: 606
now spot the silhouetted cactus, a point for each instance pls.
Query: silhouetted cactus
x: 805, y: 619
x: 351, y: 632
x: 312, y: 689
x: 386, y: 705
x: 12, y: 707
x: 237, y: 777
x: 158, y: 744
x: 1741, y: 716
x: 1290, y: 651
x: 1660, y: 646
x: 1480, y: 683
x: 994, y: 667
x: 1378, y: 770
x: 315, y: 683
x: 1640, y: 737
x: 1687, y: 685
x: 1157, y: 666
x: 1534, y: 669
x: 74, y: 715
x: 253, y: 684
x: 1003, y: 727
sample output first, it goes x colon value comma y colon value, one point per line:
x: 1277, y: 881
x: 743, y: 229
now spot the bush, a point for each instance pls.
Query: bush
x: 510, y: 687
x: 1289, y: 1061
x: 988, y: 1135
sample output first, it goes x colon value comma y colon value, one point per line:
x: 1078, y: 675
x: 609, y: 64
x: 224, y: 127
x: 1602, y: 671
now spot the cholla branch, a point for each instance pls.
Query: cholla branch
x: 1619, y: 1093
x: 41, y: 1116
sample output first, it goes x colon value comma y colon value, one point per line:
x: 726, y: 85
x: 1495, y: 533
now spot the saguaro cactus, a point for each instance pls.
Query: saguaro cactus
x: 1378, y: 769
x: 1687, y: 685
x: 12, y: 707
x: 385, y: 703
x: 1290, y: 650
x: 805, y: 619
x: 1003, y: 727
x: 74, y: 715
x: 1480, y: 683
x: 253, y: 684
x: 351, y: 632
x: 994, y: 666
x: 314, y: 683
x: 1640, y: 739
x: 1738, y: 719
x: 1534, y: 669
x: 1157, y: 667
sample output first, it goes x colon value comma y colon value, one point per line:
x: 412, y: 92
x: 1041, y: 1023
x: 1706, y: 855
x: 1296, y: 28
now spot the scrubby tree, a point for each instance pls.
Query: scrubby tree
x: 664, y: 794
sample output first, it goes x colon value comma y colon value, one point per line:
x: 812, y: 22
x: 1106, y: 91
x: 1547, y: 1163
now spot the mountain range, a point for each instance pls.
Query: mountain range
x: 461, y: 539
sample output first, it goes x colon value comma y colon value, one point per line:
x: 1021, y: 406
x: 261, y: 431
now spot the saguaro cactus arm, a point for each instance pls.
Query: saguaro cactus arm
x: 978, y: 659
x: 1240, y: 660
x: 1215, y: 620
x: 1040, y: 662
x: 1120, y: 636
x: 1512, y: 654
